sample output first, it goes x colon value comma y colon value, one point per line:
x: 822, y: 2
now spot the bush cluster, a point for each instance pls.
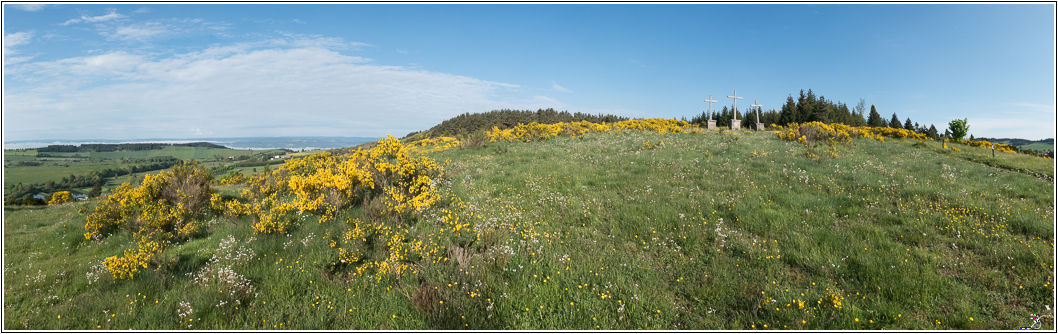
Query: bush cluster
x: 536, y: 131
x: 161, y: 210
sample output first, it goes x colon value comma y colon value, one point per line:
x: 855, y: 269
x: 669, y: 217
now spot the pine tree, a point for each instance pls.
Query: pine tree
x: 789, y: 112
x: 895, y: 122
x: 875, y: 120
x: 908, y: 126
x: 932, y: 132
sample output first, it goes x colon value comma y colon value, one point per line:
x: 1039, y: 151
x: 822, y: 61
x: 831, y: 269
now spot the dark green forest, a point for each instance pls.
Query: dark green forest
x: 809, y: 108
x: 120, y: 147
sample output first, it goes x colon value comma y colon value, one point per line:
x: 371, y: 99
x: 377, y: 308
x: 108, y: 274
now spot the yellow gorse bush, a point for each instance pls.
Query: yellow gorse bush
x: 806, y: 133
x: 325, y: 183
x: 157, y: 212
x: 536, y: 131
x: 431, y: 145
x: 399, y: 254
x: 60, y: 197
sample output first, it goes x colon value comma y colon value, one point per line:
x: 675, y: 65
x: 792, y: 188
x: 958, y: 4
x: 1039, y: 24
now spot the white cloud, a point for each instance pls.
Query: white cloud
x: 10, y: 42
x: 101, y: 18
x: 141, y: 31
x: 402, y: 51
x: 359, y: 45
x: 239, y: 90
x: 141, y: 10
x: 31, y: 7
x: 16, y: 39
x: 160, y: 29
x: 555, y: 86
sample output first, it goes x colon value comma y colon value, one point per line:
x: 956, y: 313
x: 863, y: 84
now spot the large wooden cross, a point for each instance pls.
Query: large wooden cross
x: 736, y: 98
x: 758, y: 109
x: 710, y: 100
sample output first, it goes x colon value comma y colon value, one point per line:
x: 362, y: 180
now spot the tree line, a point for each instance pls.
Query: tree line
x: 120, y: 147
x: 809, y: 108
x: 506, y: 118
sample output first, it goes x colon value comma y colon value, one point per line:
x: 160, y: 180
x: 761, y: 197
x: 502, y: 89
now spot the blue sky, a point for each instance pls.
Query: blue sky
x: 116, y: 71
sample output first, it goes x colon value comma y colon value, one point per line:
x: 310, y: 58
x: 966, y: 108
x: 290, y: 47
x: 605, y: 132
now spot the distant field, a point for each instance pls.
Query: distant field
x: 178, y: 152
x: 36, y: 174
x: 1039, y: 147
x: 78, y: 162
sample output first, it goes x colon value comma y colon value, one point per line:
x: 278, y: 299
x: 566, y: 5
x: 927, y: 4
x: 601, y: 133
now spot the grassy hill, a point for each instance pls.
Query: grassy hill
x: 634, y: 230
x: 1037, y: 145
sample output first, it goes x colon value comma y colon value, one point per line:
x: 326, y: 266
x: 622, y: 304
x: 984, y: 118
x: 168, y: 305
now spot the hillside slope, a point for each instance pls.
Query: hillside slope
x: 633, y: 230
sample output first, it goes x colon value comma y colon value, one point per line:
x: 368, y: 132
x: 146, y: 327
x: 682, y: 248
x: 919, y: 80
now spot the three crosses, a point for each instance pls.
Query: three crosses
x: 734, y: 125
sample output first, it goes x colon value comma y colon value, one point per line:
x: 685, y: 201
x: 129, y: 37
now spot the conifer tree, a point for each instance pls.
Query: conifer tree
x: 789, y: 112
x: 895, y: 122
x: 875, y: 120
x: 908, y: 126
x: 932, y: 131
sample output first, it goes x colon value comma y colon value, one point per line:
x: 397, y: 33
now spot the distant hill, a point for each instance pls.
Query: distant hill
x: 121, y: 147
x: 1025, y: 144
x: 504, y: 119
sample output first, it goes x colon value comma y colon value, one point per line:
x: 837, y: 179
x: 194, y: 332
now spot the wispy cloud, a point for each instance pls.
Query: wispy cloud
x: 555, y: 86
x: 1034, y: 106
x: 300, y: 88
x: 101, y: 18
x: 10, y: 42
x: 159, y: 29
x: 359, y: 45
x: 30, y: 7
x: 402, y: 51
x: 1010, y: 128
x: 141, y: 10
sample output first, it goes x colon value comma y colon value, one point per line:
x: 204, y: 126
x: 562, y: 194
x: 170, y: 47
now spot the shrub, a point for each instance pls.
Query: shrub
x: 159, y: 211
x: 60, y: 197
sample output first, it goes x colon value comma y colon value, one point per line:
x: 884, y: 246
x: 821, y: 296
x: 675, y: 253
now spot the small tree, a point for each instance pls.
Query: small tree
x: 97, y: 189
x: 932, y: 131
x: 908, y: 125
x: 958, y: 128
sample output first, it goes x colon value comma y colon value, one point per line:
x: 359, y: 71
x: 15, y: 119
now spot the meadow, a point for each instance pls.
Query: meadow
x: 627, y: 230
x: 54, y: 166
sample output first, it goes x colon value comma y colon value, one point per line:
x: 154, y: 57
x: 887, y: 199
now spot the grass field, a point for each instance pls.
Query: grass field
x: 63, y: 164
x: 1038, y: 147
x: 629, y: 231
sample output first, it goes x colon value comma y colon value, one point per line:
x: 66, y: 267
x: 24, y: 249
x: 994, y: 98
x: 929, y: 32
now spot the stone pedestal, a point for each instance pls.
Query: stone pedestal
x: 760, y: 126
x: 712, y: 124
x: 736, y: 124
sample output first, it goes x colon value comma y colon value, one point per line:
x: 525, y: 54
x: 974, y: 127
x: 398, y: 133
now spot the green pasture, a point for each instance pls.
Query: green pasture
x: 1038, y: 147
x: 718, y: 231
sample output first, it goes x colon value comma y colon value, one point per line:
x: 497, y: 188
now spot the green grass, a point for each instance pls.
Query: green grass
x: 703, y: 232
x: 1038, y: 147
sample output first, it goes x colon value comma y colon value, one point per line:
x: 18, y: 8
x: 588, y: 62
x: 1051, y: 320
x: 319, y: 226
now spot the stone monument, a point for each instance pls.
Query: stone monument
x: 760, y: 126
x: 712, y: 122
x: 735, y: 124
